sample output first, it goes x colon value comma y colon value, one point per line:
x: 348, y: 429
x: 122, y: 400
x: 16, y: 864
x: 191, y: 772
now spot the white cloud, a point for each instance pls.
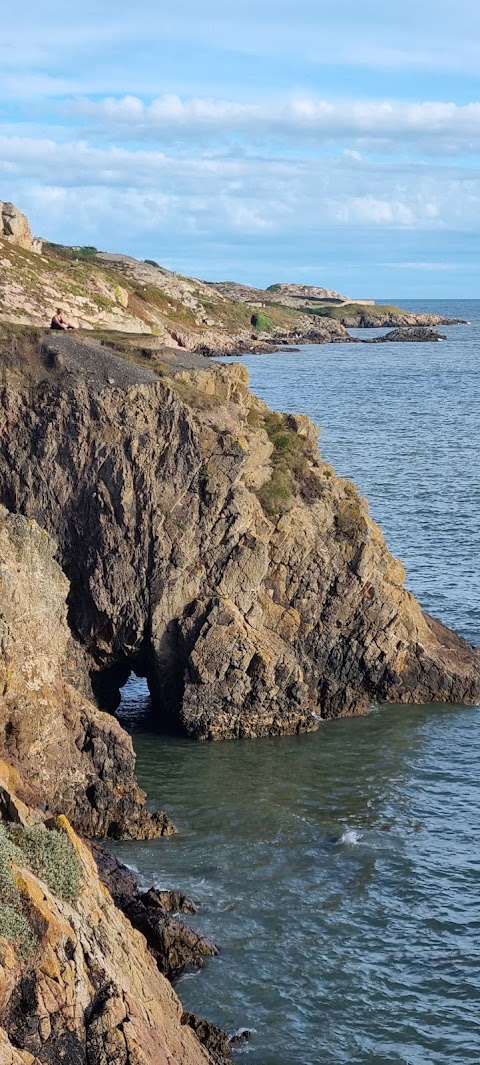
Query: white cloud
x: 141, y: 190
x: 437, y: 126
x: 368, y: 210
x: 445, y: 267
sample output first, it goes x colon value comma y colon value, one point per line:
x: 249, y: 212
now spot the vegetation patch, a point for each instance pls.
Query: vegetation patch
x: 347, y: 312
x: 349, y: 520
x: 261, y: 322
x: 291, y: 472
x: 63, y: 251
x: 48, y: 854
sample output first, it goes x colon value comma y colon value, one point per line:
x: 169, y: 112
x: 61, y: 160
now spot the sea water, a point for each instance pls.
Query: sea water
x: 339, y: 872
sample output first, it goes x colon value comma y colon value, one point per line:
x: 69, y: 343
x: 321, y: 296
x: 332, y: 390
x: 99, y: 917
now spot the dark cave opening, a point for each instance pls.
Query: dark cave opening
x: 128, y: 690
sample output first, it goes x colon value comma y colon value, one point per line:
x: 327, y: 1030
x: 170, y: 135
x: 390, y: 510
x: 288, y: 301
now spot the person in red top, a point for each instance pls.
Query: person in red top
x: 59, y: 322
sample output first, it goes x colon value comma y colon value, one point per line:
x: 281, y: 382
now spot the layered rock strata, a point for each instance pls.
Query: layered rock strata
x: 88, y: 992
x: 74, y: 759
x: 210, y: 548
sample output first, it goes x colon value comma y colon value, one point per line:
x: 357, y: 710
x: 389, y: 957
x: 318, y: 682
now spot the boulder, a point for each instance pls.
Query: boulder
x: 15, y: 227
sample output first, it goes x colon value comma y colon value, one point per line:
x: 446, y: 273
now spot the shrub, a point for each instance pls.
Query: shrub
x: 276, y: 494
x: 261, y: 322
x: 274, y: 288
x: 15, y: 926
x: 14, y: 923
x: 290, y: 470
x: 50, y: 855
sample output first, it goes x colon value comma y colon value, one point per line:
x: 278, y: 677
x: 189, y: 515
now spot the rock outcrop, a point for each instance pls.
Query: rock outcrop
x: 171, y: 942
x: 410, y: 335
x: 74, y: 759
x: 210, y: 548
x: 88, y: 991
x: 15, y: 227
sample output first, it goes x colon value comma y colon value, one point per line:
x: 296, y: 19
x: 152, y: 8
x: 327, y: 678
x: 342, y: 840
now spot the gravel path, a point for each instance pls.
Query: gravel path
x: 77, y: 356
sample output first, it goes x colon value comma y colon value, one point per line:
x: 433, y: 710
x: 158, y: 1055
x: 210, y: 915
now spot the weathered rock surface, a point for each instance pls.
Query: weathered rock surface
x: 173, y: 944
x: 15, y: 227
x: 410, y: 335
x: 364, y: 316
x: 74, y: 758
x: 211, y: 549
x: 91, y: 994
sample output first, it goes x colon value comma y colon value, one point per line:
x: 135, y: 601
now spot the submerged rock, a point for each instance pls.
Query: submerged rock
x: 213, y: 1038
x: 173, y: 944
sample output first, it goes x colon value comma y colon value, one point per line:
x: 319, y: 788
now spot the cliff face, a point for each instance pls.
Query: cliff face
x: 209, y: 547
x: 86, y: 991
x: 74, y: 759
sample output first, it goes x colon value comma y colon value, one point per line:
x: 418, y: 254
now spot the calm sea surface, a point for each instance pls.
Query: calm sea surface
x: 339, y: 872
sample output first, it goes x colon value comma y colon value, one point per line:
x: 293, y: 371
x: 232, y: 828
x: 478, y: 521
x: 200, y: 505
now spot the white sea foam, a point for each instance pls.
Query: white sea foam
x: 350, y: 836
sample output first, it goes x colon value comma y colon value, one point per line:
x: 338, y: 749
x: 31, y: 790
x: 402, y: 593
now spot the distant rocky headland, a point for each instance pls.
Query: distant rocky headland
x: 156, y: 516
x: 113, y: 291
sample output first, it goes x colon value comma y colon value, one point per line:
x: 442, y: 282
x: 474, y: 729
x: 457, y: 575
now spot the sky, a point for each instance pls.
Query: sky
x: 328, y: 142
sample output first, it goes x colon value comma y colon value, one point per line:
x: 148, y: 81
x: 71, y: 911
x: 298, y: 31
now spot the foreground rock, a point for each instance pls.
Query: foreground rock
x: 84, y: 989
x: 173, y: 944
x: 211, y: 549
x: 75, y: 759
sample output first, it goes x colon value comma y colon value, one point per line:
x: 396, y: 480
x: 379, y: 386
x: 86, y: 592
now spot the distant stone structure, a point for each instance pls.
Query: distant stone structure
x: 15, y: 227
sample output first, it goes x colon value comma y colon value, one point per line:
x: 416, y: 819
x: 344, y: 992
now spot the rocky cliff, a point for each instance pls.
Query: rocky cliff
x: 73, y: 758
x: 78, y: 983
x: 117, y: 292
x: 210, y: 548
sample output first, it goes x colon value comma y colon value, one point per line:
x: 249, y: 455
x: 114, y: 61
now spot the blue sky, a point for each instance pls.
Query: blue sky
x: 327, y: 141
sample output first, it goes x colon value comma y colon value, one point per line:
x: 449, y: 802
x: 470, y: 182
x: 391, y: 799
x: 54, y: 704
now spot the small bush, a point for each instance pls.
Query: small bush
x: 15, y: 926
x: 102, y: 302
x: 290, y: 470
x: 14, y: 923
x: 349, y: 520
x: 261, y: 322
x: 276, y: 494
x: 274, y: 288
x: 50, y: 855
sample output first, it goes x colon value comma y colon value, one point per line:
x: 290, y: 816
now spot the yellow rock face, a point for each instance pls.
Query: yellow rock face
x: 95, y: 993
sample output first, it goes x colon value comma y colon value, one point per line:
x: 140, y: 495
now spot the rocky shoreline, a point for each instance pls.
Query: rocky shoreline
x: 156, y: 516
x: 209, y: 547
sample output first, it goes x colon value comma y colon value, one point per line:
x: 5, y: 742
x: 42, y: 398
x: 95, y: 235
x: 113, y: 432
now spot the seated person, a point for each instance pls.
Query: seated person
x: 59, y: 322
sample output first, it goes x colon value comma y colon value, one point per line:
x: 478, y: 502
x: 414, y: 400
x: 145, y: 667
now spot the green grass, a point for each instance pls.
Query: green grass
x: 63, y: 251
x: 261, y: 322
x: 349, y: 310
